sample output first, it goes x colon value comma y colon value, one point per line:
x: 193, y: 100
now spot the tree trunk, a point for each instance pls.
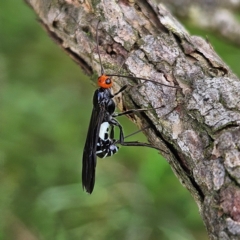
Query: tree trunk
x: 197, y: 124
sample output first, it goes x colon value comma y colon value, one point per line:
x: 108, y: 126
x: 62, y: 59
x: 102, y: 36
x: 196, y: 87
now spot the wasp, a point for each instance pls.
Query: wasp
x: 100, y: 141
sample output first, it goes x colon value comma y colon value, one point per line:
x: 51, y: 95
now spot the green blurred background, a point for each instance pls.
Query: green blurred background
x: 44, y: 116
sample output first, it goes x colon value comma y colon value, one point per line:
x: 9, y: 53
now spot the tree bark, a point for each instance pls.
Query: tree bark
x: 197, y: 125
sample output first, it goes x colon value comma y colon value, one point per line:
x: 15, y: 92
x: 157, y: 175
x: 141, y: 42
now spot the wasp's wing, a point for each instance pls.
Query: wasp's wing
x: 89, y: 152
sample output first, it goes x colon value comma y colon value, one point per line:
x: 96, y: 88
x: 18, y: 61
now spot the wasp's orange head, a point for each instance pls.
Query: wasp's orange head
x: 105, y: 81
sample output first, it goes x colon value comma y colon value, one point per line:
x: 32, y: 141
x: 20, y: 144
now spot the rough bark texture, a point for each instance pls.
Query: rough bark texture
x: 197, y: 125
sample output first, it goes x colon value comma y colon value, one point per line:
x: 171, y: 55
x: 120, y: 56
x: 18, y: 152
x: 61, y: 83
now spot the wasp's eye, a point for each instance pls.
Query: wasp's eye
x: 108, y: 81
x: 104, y: 81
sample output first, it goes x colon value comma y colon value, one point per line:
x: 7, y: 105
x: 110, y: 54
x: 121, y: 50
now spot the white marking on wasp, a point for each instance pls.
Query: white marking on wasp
x: 104, y: 130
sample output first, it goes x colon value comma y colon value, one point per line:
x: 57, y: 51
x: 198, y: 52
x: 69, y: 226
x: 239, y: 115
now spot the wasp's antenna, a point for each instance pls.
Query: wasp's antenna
x: 102, y: 69
x: 144, y: 79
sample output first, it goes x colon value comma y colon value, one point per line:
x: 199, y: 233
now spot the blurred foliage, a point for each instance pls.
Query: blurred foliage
x: 44, y: 115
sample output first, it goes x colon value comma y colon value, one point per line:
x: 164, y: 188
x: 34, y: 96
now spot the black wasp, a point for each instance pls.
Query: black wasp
x: 100, y: 138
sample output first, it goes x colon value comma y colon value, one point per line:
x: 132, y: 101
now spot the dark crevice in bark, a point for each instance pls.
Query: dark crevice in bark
x: 232, y: 179
x: 83, y: 64
x: 151, y: 14
x: 51, y: 34
x: 211, y: 65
